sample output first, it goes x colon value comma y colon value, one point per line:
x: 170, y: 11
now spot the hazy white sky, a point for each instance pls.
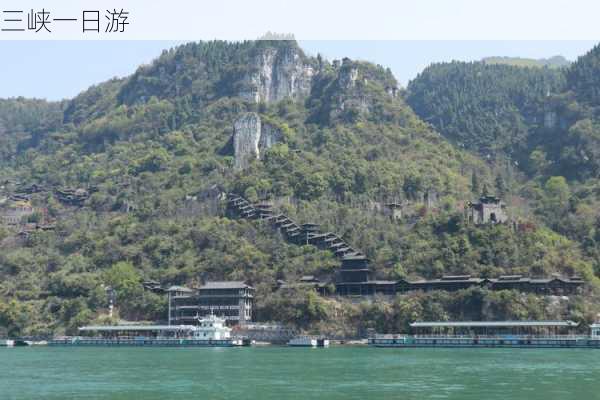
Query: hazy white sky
x: 406, y: 35
x: 328, y: 19
x: 61, y: 69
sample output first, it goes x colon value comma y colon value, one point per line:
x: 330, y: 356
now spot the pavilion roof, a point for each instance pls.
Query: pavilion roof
x: 120, y: 328
x: 226, y: 285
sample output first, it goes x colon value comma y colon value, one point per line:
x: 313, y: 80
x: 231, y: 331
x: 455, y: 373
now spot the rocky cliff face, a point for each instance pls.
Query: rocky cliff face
x: 246, y: 137
x: 355, y: 90
x: 356, y: 86
x: 279, y: 73
x: 251, y: 137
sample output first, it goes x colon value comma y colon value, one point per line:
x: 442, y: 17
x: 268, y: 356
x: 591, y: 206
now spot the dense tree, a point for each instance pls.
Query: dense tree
x: 154, y: 150
x: 489, y: 108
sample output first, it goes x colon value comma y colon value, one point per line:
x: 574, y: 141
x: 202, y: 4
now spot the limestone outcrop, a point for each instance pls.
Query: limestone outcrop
x: 278, y: 73
x: 358, y: 88
x: 251, y: 138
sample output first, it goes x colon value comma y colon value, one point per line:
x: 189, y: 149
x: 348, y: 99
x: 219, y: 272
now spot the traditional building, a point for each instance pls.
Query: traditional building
x: 489, y: 210
x: 13, y: 212
x: 153, y: 286
x: 446, y: 283
x: 306, y: 281
x: 74, y: 197
x: 354, y: 279
x: 393, y: 210
x: 545, y: 286
x: 178, y: 296
x: 232, y: 300
x: 556, y: 285
x: 354, y: 276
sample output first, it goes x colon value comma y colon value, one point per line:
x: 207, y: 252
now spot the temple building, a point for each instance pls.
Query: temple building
x: 488, y: 210
x: 231, y: 300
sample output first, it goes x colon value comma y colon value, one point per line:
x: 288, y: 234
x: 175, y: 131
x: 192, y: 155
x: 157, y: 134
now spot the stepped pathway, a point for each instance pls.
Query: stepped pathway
x: 293, y: 232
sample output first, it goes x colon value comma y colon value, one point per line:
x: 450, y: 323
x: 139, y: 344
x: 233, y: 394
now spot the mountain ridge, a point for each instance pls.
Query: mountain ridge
x: 155, y: 144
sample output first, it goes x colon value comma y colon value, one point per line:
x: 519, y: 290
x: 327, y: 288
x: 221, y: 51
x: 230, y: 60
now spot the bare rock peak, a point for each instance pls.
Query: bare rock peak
x: 278, y: 73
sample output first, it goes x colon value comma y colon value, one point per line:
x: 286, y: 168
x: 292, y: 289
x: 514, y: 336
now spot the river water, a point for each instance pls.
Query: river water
x: 298, y: 373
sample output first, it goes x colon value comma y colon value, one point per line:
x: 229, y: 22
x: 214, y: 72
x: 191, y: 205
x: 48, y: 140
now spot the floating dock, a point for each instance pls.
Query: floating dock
x: 502, y: 334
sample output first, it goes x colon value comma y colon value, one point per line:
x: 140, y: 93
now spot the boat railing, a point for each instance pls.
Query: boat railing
x: 311, y: 337
x: 503, y: 336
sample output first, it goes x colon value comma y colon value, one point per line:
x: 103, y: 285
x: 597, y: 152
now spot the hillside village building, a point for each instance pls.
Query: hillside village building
x: 12, y: 213
x: 393, y: 210
x: 231, y: 300
x: 488, y: 210
x: 355, y: 278
x: 556, y: 285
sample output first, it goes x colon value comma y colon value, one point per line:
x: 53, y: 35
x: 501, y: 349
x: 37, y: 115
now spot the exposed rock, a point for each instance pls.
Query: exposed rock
x: 355, y: 85
x: 269, y: 135
x: 348, y: 76
x: 246, y: 136
x: 250, y: 137
x: 279, y: 73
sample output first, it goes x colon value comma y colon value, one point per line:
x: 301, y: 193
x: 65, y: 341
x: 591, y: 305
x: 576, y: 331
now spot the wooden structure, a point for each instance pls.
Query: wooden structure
x: 231, y: 300
x: 556, y: 285
x: 354, y: 277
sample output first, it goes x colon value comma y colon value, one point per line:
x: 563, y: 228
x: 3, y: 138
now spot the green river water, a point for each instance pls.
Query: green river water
x: 298, y: 373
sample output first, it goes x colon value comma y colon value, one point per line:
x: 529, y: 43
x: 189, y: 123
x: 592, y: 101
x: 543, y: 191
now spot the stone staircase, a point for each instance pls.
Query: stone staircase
x: 293, y: 232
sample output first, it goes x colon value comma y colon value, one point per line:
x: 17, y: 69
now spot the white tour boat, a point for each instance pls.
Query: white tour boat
x: 211, y: 331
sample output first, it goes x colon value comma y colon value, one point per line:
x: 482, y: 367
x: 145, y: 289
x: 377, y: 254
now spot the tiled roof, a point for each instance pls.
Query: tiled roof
x: 225, y: 285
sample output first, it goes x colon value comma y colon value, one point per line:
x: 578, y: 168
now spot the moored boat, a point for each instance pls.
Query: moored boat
x: 308, y: 341
x: 503, y: 334
x: 211, y: 332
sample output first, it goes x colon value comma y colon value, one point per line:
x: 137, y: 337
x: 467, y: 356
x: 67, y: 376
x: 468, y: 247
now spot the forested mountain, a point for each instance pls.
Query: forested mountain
x: 548, y: 130
x: 538, y: 117
x: 150, y: 151
x: 489, y: 108
x: 552, y: 62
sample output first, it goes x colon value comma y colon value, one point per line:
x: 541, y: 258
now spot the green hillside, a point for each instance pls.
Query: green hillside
x: 488, y: 108
x: 542, y: 121
x: 151, y: 150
